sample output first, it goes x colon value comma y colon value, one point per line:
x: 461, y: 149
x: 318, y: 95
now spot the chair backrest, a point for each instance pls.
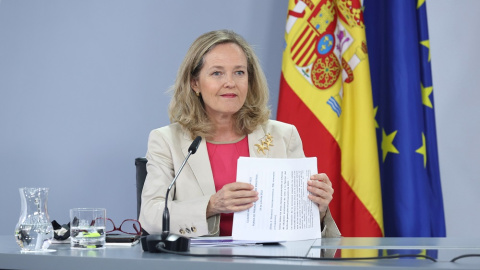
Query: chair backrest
x: 141, y: 168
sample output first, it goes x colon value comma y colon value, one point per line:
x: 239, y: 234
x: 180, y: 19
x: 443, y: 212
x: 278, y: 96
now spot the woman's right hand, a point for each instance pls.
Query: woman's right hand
x: 233, y: 197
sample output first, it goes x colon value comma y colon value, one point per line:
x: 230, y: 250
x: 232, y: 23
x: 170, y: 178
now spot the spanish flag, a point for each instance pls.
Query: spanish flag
x: 325, y: 91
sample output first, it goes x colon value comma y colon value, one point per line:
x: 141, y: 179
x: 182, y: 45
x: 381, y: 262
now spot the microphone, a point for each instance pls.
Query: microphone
x: 167, y: 240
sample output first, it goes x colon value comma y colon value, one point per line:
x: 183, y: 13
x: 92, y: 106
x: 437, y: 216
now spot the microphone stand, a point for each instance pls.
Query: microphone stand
x: 167, y: 240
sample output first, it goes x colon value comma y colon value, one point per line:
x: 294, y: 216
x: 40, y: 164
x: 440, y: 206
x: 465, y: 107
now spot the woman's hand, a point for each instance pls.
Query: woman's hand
x: 233, y: 197
x: 321, y: 191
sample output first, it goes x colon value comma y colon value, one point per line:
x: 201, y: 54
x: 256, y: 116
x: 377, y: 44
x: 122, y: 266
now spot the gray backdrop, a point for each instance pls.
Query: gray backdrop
x: 83, y: 82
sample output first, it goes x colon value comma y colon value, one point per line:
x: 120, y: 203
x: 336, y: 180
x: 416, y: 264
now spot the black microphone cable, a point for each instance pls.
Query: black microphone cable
x: 464, y: 256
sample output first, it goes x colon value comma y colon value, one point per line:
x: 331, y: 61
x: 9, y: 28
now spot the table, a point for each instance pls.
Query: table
x: 134, y: 258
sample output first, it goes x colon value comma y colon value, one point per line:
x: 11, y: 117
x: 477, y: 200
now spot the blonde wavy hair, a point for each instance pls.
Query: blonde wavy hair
x: 189, y: 110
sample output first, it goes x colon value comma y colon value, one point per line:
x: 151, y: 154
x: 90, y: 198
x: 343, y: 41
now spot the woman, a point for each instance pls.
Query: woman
x: 220, y: 94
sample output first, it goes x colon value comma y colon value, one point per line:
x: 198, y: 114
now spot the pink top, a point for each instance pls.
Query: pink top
x: 223, y: 159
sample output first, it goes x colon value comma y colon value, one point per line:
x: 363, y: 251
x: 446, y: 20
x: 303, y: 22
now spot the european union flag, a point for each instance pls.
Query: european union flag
x: 399, y: 54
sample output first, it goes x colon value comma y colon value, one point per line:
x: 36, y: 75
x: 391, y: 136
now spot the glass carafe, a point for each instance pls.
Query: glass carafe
x: 34, y: 231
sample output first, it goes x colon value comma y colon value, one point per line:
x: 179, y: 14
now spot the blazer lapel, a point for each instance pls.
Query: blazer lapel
x: 199, y: 163
x: 255, y: 141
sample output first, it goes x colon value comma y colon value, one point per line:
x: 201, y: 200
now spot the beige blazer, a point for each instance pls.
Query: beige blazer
x: 188, y: 199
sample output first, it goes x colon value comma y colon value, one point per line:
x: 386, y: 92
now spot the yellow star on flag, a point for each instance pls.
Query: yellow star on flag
x: 387, y: 143
x: 420, y: 3
x: 426, y: 43
x: 426, y: 91
x: 423, y: 151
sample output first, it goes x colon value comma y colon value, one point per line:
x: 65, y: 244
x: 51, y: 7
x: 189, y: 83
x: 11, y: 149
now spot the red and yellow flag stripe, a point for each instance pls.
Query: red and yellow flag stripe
x: 325, y: 92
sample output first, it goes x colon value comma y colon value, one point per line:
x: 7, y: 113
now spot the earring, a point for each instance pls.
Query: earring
x: 197, y: 93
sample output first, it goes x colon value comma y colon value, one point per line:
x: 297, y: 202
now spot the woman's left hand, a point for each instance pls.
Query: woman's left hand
x: 321, y: 191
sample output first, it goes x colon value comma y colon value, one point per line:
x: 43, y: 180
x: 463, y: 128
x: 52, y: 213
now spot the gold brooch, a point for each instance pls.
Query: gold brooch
x: 265, y: 143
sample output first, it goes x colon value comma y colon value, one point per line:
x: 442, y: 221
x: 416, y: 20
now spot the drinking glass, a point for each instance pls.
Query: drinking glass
x: 87, y: 227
